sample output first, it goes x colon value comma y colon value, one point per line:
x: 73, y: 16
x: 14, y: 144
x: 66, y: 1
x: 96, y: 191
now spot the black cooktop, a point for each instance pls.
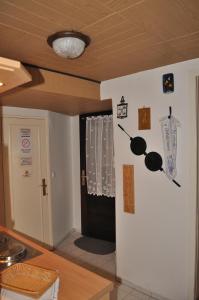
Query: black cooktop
x: 13, y: 251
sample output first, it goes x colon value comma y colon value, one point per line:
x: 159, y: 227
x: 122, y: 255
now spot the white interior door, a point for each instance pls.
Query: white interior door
x: 26, y: 180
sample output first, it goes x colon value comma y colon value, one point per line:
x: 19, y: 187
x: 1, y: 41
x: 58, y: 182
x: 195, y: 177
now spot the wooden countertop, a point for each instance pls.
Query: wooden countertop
x: 76, y: 283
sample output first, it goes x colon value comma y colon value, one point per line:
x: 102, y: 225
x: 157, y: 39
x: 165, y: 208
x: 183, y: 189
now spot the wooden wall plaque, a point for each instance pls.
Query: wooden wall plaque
x: 128, y: 189
x: 144, y: 118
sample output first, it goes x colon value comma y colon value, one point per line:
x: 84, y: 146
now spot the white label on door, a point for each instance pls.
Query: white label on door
x: 25, y: 145
x: 26, y: 161
x: 25, y: 141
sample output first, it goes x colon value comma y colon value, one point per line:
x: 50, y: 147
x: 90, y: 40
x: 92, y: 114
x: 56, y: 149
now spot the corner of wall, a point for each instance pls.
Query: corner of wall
x: 75, y: 160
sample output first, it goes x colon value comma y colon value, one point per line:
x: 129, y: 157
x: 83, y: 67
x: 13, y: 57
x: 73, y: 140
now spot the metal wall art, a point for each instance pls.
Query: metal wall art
x: 122, y: 109
x: 153, y: 160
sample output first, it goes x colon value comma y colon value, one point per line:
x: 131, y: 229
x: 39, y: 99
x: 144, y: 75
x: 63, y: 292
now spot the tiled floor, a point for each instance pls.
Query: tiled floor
x: 101, y: 264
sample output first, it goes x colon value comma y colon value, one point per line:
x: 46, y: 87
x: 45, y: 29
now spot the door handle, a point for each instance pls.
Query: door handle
x: 44, y: 186
x: 83, y: 178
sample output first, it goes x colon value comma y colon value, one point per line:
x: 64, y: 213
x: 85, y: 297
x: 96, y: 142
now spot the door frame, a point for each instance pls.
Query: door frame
x: 2, y: 204
x: 196, y: 292
x: 47, y: 127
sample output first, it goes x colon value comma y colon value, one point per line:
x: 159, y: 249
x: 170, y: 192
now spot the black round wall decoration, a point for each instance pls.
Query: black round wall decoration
x: 153, y: 160
x: 138, y: 145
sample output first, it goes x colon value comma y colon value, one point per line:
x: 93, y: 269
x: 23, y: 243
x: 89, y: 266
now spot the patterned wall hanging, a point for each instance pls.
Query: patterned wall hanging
x: 169, y: 126
x: 128, y: 189
x: 153, y: 160
x: 168, y: 83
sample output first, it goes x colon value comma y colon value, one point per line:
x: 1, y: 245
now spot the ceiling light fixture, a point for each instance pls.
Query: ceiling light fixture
x: 68, y: 44
x: 1, y: 83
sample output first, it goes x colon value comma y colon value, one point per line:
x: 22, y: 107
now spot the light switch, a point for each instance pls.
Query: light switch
x: 53, y: 175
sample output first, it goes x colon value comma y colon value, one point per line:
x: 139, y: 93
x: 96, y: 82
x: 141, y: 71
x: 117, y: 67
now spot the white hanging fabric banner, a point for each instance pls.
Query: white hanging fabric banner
x: 169, y: 136
x: 100, y: 169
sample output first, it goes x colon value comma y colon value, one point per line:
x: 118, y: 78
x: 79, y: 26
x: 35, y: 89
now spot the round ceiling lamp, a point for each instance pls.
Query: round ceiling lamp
x: 68, y: 44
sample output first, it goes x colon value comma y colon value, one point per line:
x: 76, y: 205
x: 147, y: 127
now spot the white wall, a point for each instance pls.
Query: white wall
x: 61, y: 175
x: 156, y: 246
x: 75, y: 158
x: 65, y: 165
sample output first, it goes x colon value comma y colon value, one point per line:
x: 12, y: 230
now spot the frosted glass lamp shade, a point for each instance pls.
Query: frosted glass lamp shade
x: 69, y: 47
x: 69, y: 44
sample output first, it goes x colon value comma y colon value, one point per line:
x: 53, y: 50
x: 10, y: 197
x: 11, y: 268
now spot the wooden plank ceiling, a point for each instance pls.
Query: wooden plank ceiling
x: 127, y: 36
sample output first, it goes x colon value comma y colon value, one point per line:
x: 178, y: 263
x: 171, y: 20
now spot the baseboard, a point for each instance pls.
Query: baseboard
x: 75, y: 230
x: 63, y: 238
x: 78, y: 230
x: 142, y: 290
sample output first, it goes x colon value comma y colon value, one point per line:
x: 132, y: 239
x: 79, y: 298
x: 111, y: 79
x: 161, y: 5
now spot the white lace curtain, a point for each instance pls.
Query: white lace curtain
x: 100, y: 156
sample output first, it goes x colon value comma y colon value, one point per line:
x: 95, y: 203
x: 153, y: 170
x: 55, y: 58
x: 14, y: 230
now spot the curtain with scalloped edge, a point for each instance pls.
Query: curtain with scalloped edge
x: 100, y: 169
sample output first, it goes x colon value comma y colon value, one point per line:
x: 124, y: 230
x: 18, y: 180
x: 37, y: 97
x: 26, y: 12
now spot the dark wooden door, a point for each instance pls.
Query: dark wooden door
x: 97, y: 212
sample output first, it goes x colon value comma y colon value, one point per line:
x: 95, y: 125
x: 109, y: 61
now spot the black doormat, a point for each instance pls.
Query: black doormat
x: 94, y: 245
